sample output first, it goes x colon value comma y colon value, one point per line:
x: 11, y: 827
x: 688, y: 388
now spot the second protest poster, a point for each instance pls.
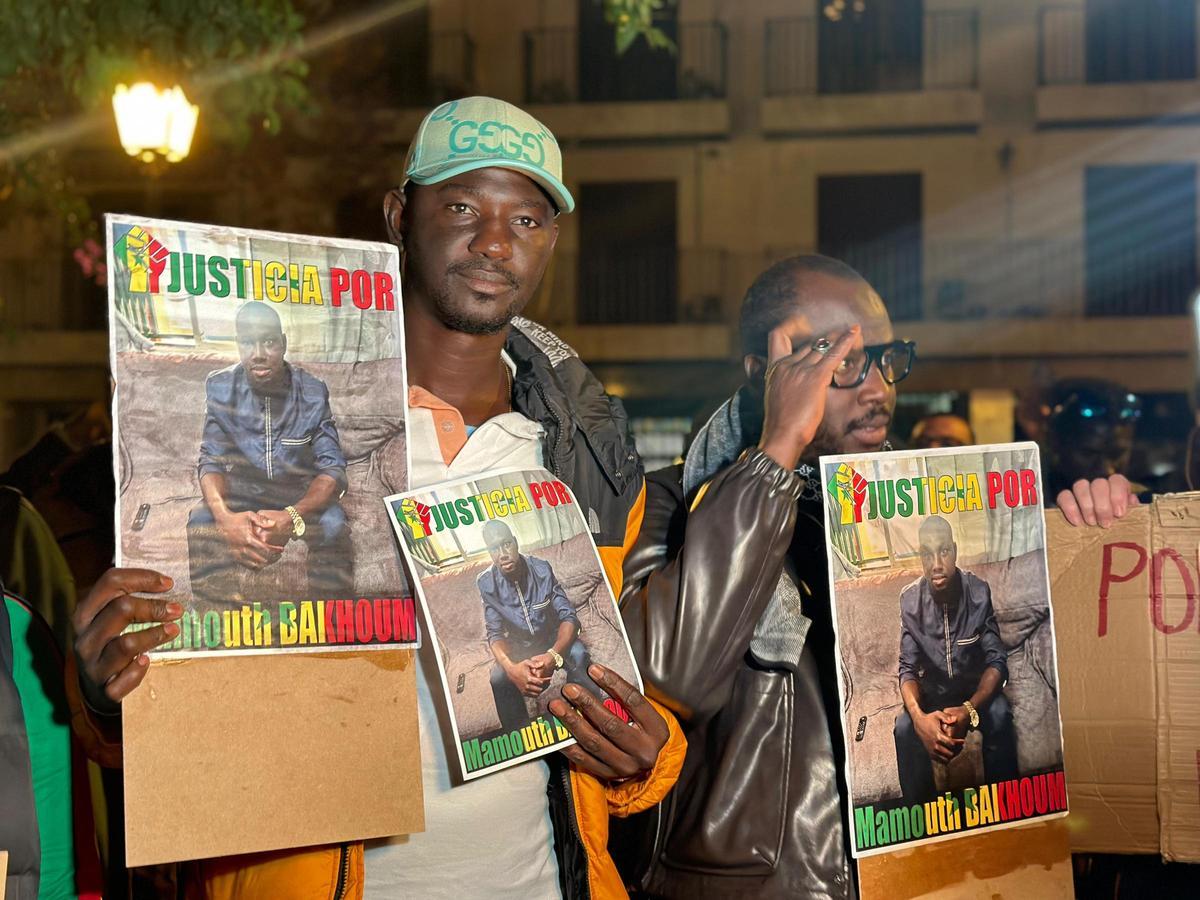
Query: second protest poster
x: 941, y: 595
x: 516, y: 603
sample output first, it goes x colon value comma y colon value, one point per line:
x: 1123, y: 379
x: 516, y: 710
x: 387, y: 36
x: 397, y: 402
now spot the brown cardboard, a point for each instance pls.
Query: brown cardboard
x: 1128, y: 633
x: 1028, y: 861
x: 3, y: 872
x: 1175, y: 525
x: 1108, y: 722
x: 242, y: 754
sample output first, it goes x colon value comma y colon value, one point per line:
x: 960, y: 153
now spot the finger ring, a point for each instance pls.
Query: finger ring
x: 821, y: 345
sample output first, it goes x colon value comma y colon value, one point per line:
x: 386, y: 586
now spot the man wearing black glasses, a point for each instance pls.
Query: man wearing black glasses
x: 726, y: 598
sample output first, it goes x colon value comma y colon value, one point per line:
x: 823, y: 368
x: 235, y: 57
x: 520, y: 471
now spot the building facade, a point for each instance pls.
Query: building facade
x: 1018, y: 178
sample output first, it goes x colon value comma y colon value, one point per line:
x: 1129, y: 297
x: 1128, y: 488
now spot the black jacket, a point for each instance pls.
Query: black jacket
x: 945, y: 652
x: 587, y: 445
x: 758, y: 810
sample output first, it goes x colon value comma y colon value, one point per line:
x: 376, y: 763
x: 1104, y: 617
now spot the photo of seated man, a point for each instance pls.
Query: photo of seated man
x: 952, y: 670
x: 532, y: 629
x: 271, y: 470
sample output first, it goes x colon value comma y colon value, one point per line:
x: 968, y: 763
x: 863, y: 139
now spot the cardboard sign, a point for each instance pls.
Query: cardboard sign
x: 1028, y: 861
x: 241, y: 754
x: 1127, y: 616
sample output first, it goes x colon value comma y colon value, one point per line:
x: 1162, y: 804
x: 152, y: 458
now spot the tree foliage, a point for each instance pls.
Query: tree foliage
x: 632, y: 19
x: 61, y: 60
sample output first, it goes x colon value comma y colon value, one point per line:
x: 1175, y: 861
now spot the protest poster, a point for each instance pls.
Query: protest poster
x: 516, y: 603
x: 945, y: 640
x: 259, y: 420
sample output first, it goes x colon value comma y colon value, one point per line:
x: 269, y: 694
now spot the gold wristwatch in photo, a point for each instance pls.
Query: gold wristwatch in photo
x: 297, y: 521
x: 972, y: 712
x: 558, y: 660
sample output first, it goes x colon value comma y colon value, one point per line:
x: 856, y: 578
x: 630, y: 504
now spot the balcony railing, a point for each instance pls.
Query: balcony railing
x: 654, y: 285
x: 893, y: 267
x: 971, y: 279
x: 1131, y: 43
x: 1055, y: 278
x: 1145, y: 280
x: 949, y: 56
x: 628, y: 285
x: 553, y: 72
x: 983, y: 279
x: 942, y: 280
x: 441, y: 66
x: 29, y: 296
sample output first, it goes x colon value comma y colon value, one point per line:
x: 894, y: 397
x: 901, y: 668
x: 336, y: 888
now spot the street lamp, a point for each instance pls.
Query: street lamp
x: 154, y: 123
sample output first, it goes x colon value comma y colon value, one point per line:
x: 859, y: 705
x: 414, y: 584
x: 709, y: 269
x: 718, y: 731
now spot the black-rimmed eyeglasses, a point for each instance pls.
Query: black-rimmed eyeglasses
x: 894, y: 361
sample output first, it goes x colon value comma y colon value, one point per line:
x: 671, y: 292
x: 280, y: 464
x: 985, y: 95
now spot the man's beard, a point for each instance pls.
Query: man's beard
x: 826, y: 443
x: 457, y: 319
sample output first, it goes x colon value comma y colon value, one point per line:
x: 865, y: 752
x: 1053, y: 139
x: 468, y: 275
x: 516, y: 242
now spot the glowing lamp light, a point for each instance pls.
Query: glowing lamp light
x: 154, y: 123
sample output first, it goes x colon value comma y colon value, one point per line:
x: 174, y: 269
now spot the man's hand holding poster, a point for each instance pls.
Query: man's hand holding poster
x: 518, y: 607
x: 937, y: 568
x: 259, y: 420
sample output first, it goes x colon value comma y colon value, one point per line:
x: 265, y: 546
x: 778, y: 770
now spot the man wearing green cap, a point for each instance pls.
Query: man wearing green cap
x: 475, y: 220
x: 479, y: 133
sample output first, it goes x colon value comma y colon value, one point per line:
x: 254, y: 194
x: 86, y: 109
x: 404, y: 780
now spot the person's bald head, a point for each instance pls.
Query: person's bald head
x: 496, y: 532
x: 943, y: 430
x: 810, y: 297
x: 824, y: 291
x: 257, y: 315
x: 935, y: 528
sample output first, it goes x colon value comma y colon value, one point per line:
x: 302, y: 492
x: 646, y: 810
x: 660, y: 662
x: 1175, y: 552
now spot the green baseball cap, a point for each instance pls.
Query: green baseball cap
x: 480, y: 133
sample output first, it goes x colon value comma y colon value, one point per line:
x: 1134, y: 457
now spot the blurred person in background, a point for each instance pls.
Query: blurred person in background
x: 67, y: 477
x: 61, y: 441
x: 941, y: 430
x: 1088, y: 431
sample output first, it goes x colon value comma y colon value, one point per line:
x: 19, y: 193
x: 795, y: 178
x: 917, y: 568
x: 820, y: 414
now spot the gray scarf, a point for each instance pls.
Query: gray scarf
x: 782, y: 628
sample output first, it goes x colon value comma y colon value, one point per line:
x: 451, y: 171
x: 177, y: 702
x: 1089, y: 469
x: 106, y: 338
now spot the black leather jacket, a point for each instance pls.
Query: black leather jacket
x: 758, y: 808
x: 587, y: 444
